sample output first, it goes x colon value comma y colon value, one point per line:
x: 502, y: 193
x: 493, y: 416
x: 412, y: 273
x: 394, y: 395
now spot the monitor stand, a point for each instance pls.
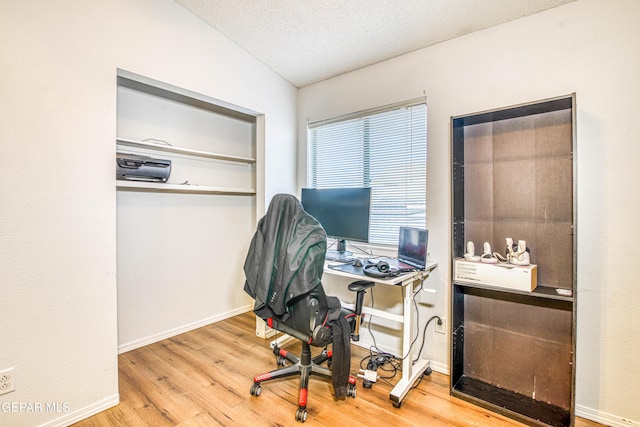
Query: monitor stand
x: 341, y: 253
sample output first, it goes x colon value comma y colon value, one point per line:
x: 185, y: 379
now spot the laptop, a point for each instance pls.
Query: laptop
x: 412, y: 250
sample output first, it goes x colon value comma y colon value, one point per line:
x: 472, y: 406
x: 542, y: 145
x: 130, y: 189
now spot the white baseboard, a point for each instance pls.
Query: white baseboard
x: 443, y: 368
x: 604, y: 418
x: 83, y: 413
x: 132, y: 345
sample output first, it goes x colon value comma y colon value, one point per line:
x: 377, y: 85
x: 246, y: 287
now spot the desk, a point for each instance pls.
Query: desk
x: 407, y: 282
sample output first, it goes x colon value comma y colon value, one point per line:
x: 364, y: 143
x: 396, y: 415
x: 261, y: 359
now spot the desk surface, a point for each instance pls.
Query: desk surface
x: 348, y: 270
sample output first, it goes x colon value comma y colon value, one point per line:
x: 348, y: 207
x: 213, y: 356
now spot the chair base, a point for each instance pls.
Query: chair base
x: 304, y: 367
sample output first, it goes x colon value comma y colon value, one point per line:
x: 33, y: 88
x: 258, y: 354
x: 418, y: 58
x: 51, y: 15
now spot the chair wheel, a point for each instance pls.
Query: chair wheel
x: 256, y: 389
x: 301, y: 415
x: 428, y: 371
x: 351, y: 390
x: 397, y: 404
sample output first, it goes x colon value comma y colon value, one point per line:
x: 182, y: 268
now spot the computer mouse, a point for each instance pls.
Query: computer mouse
x: 357, y: 262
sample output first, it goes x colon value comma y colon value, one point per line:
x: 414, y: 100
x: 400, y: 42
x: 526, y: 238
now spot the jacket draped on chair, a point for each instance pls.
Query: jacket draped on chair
x: 286, y: 257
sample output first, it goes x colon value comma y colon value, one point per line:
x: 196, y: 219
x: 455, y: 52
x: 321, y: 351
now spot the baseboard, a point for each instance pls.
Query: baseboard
x: 83, y: 413
x: 604, y: 418
x: 132, y: 345
x: 443, y: 368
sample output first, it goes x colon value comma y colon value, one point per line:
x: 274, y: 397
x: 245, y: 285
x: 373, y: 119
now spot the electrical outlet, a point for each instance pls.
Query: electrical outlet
x: 7, y: 380
x: 441, y: 328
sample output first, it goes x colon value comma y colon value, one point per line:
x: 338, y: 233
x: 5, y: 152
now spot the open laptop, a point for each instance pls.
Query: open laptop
x: 412, y: 250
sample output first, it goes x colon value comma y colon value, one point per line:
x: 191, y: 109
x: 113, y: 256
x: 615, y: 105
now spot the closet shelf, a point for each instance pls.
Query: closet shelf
x: 157, y: 187
x: 185, y: 151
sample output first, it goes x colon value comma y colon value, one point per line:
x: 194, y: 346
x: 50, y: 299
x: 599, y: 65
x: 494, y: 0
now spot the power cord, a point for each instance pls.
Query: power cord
x: 351, y: 245
x: 424, y: 333
x: 364, y: 251
x: 387, y: 362
x: 157, y: 141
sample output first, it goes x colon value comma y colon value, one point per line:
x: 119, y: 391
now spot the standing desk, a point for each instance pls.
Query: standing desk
x: 407, y: 282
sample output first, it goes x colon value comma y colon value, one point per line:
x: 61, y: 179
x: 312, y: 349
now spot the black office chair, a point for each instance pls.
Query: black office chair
x: 283, y: 269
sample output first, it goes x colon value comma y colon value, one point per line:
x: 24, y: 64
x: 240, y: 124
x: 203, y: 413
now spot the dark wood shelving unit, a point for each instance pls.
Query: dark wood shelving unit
x: 513, y: 171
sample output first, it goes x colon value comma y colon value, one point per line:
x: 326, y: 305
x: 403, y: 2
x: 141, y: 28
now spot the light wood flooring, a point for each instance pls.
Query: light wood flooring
x: 203, y: 377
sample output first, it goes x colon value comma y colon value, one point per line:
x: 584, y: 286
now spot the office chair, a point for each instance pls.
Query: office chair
x: 283, y: 272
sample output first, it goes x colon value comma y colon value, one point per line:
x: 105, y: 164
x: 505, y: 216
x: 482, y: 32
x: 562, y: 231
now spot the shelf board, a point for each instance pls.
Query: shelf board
x: 158, y: 187
x: 167, y: 91
x: 510, y: 403
x: 538, y: 107
x: 185, y: 151
x: 545, y: 292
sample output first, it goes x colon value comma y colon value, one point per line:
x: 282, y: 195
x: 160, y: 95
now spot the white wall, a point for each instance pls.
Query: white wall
x: 58, y: 63
x: 589, y: 47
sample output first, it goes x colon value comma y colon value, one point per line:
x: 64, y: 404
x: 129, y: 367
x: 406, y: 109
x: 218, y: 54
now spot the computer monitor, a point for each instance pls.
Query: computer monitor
x: 343, y: 212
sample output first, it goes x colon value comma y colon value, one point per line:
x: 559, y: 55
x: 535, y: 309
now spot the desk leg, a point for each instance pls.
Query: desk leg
x: 410, y: 372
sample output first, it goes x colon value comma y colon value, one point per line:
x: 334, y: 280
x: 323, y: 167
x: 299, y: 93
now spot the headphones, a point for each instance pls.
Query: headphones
x: 380, y: 270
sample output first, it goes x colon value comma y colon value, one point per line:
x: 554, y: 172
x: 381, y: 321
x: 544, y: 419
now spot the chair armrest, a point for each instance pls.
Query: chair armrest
x: 360, y: 285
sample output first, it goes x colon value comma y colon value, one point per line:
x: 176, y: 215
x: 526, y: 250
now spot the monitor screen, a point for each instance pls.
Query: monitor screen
x: 343, y: 212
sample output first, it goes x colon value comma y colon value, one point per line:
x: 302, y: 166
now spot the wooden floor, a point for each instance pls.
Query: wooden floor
x: 203, y: 377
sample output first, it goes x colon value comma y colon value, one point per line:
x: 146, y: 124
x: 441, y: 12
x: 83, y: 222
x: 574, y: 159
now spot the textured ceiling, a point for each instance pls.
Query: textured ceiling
x: 306, y: 41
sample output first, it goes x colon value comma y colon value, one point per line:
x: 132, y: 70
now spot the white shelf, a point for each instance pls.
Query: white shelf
x: 183, y: 96
x: 185, y: 151
x: 158, y: 187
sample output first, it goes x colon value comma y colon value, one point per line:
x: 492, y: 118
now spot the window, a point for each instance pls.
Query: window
x: 385, y: 150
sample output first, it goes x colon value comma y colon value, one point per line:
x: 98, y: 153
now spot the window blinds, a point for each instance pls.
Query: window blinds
x: 385, y: 150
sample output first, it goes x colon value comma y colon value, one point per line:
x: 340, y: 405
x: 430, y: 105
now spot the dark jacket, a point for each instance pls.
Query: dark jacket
x: 286, y: 257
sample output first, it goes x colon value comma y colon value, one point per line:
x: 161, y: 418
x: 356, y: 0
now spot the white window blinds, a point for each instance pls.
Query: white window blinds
x: 385, y: 150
